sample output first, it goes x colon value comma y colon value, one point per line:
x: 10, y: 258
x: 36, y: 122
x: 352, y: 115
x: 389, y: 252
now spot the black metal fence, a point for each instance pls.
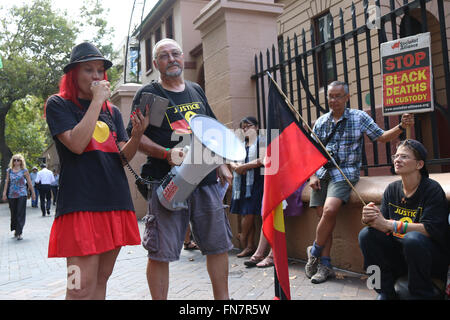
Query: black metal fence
x: 302, y: 73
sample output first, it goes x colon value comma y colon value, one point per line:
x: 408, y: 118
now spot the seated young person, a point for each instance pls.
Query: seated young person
x: 409, y: 234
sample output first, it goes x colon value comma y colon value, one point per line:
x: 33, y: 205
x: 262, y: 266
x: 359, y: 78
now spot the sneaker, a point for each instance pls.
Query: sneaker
x: 322, y: 274
x: 312, y: 265
x: 19, y: 237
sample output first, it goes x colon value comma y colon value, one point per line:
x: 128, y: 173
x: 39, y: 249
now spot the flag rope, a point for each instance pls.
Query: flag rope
x: 315, y: 136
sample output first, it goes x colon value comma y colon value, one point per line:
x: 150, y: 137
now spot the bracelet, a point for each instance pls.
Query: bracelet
x: 166, y: 152
x: 394, y: 226
x: 406, y: 227
x: 400, y: 227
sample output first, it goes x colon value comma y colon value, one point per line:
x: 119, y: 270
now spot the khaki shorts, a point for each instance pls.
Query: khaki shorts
x: 165, y: 230
x: 328, y: 189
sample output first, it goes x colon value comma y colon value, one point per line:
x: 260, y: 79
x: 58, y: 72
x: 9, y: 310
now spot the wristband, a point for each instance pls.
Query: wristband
x: 406, y: 227
x: 400, y: 227
x: 166, y: 152
x: 400, y: 127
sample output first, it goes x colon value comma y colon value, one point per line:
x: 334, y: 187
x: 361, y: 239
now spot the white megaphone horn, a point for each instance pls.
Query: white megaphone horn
x: 213, y: 145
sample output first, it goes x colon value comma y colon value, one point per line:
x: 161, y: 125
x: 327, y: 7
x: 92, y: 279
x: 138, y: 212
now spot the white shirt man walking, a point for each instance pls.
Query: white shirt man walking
x: 44, y: 179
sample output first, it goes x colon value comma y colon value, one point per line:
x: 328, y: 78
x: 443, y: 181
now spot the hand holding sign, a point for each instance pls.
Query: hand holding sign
x: 407, y: 122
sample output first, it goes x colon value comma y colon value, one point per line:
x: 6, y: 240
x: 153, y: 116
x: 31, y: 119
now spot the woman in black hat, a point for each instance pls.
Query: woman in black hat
x: 94, y: 212
x: 409, y: 234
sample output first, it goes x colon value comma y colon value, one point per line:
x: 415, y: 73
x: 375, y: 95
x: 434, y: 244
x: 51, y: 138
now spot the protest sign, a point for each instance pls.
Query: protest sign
x: 407, y: 75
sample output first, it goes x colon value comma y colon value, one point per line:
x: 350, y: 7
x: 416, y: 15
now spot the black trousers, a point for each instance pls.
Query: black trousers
x: 415, y: 255
x: 17, y: 206
x: 45, y: 195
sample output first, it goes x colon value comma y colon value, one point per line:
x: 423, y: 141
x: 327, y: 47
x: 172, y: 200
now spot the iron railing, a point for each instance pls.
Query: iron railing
x: 295, y: 67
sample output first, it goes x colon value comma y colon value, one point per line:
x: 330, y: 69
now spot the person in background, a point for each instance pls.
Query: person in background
x: 54, y: 186
x: 94, y: 211
x: 33, y: 174
x: 261, y: 258
x: 409, y: 233
x: 15, y: 190
x: 248, y: 185
x: 44, y: 180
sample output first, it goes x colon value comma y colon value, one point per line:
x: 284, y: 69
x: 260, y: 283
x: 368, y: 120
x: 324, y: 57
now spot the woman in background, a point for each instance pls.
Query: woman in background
x: 248, y: 184
x: 17, y: 181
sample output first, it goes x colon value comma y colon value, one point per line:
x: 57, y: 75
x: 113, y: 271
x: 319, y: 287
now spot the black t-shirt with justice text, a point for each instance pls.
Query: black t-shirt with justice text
x: 428, y: 205
x: 175, y: 130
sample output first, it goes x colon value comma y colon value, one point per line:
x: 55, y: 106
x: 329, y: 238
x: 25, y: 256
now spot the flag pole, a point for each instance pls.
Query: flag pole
x: 315, y: 136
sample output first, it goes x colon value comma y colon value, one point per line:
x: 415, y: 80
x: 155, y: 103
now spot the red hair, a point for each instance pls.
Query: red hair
x: 69, y: 90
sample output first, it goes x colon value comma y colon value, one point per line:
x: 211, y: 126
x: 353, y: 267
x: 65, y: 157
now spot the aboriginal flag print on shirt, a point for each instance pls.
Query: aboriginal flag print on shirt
x: 102, y: 139
x: 95, y: 179
x: 180, y: 115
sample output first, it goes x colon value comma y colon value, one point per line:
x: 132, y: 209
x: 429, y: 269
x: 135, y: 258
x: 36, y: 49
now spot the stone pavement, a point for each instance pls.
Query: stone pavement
x: 27, y: 274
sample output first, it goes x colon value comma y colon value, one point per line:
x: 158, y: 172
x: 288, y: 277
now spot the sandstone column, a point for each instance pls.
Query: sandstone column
x: 232, y: 32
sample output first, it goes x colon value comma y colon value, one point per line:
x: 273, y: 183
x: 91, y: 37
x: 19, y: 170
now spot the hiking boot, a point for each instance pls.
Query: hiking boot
x: 322, y: 274
x: 312, y: 265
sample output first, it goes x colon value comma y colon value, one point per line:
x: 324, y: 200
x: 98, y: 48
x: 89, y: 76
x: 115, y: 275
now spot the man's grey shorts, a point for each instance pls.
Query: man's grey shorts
x: 329, y: 189
x: 165, y: 230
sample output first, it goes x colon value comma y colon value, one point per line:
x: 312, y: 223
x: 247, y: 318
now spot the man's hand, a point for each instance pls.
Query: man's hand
x: 314, y: 182
x: 176, y: 156
x: 407, y: 120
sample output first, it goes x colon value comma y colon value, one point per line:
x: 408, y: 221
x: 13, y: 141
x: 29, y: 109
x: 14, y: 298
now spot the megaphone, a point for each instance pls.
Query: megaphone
x: 213, y: 144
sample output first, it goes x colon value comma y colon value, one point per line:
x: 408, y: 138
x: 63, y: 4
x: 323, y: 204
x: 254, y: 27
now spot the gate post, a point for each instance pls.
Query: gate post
x: 232, y: 33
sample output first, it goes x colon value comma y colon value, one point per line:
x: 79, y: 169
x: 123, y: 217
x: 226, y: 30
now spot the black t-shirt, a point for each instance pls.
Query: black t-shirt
x: 94, y: 180
x: 175, y: 130
x: 428, y: 205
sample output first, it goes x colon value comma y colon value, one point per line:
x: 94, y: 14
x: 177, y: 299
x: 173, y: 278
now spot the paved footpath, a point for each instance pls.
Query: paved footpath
x: 27, y: 274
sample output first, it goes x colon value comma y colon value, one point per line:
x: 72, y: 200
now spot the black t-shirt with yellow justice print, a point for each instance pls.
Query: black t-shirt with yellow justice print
x: 175, y: 131
x: 428, y: 205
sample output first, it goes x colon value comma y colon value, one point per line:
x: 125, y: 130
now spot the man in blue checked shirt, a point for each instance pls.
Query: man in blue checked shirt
x: 329, y: 188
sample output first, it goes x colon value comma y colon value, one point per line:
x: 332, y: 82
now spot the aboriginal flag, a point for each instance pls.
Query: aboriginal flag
x: 292, y: 156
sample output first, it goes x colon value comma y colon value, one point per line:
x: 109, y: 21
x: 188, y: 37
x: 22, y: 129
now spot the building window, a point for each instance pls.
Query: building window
x: 148, y: 54
x: 169, y: 27
x: 325, y: 60
x: 158, y: 35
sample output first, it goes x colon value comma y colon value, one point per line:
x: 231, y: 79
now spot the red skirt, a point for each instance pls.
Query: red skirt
x: 86, y: 233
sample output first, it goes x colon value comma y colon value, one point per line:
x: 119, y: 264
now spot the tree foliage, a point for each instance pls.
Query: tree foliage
x: 35, y: 45
x: 26, y: 123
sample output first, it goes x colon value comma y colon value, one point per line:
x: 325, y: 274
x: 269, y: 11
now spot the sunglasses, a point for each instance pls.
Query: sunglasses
x: 17, y: 160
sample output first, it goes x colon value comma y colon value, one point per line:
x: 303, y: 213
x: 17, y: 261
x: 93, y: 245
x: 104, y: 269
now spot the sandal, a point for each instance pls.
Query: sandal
x: 254, y: 260
x: 266, y: 263
x: 191, y: 245
x: 246, y: 253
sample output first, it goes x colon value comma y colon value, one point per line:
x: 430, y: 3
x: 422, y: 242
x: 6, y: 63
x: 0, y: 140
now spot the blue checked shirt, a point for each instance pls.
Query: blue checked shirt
x: 346, y: 142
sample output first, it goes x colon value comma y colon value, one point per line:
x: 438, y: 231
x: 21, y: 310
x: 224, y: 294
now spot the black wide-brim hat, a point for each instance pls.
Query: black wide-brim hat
x: 85, y: 52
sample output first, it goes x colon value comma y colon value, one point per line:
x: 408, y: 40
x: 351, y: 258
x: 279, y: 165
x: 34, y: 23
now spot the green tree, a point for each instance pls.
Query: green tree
x: 26, y: 123
x: 35, y: 44
x: 35, y: 41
